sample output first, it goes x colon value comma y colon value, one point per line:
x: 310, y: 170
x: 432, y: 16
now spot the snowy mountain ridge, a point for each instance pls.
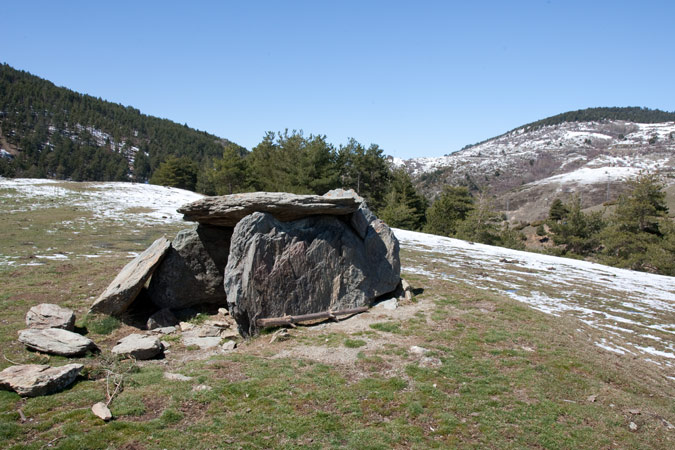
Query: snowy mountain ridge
x: 591, y: 158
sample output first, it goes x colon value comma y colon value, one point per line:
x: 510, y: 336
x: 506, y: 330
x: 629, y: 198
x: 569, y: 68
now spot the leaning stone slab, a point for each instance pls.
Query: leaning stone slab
x: 125, y: 287
x: 49, y: 315
x: 227, y: 210
x: 192, y: 270
x: 33, y: 380
x: 55, y: 341
x: 138, y: 346
x: 306, y: 266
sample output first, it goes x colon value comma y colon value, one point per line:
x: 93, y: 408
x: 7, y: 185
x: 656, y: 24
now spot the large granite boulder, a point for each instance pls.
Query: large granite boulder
x: 227, y: 210
x: 33, y: 380
x: 55, y: 341
x: 124, y: 289
x: 49, y: 315
x: 192, y: 270
x: 310, y: 265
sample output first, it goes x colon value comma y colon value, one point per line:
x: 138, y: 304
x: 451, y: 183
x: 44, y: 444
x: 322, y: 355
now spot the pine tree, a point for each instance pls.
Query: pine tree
x: 448, y: 210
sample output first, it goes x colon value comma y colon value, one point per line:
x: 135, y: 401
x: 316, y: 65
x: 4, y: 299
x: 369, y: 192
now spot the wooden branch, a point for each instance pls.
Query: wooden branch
x: 290, y: 320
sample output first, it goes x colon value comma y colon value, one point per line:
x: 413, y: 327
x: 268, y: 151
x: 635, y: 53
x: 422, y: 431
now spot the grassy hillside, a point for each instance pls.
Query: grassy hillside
x: 493, y: 373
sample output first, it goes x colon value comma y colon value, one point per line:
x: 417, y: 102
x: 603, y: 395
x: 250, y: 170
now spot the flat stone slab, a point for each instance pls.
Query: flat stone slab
x: 34, y: 380
x: 49, y: 315
x: 138, y: 346
x: 128, y: 283
x: 227, y: 210
x: 55, y: 341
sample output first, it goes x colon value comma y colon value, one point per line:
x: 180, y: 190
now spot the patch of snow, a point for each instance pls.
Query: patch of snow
x: 631, y: 305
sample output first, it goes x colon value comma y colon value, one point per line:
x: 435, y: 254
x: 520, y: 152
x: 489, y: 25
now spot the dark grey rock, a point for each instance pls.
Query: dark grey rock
x: 161, y: 319
x: 359, y: 219
x: 126, y: 286
x: 310, y: 265
x: 33, y: 380
x: 138, y: 346
x: 49, y: 315
x: 227, y: 210
x: 55, y: 341
x: 192, y: 271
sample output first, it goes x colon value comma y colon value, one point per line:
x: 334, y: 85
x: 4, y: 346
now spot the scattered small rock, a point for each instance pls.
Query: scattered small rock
x: 223, y: 312
x: 55, y: 341
x: 49, y: 315
x: 138, y: 346
x: 229, y: 345
x: 165, y: 330
x: 176, y: 377
x: 632, y: 426
x: 388, y: 305
x: 102, y: 411
x: 430, y: 362
x: 185, y: 326
x: 201, y: 342
x: 33, y: 380
x: 162, y: 318
x: 201, y: 387
x: 418, y: 350
x: 592, y: 398
x: 207, y: 331
x: 635, y: 411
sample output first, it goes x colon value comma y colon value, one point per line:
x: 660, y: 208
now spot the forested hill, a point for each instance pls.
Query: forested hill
x: 53, y: 132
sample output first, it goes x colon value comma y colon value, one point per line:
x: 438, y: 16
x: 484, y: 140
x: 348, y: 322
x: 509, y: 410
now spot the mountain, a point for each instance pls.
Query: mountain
x: 588, y: 152
x: 50, y: 131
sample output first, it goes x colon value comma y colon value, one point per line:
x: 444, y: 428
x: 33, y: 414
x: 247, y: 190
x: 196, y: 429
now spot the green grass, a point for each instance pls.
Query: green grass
x: 507, y: 378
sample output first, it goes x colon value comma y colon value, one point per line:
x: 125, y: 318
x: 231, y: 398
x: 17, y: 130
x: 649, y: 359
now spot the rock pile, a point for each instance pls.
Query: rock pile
x: 262, y: 255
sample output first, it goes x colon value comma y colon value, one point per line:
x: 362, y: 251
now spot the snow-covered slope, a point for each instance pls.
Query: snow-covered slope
x: 634, y: 311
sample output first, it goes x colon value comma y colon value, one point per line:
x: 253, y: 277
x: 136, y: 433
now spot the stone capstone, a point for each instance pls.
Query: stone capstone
x: 227, y: 210
x: 33, y: 380
x: 49, y: 315
x: 138, y: 346
x: 55, y: 341
x: 192, y: 270
x: 305, y: 266
x: 119, y: 295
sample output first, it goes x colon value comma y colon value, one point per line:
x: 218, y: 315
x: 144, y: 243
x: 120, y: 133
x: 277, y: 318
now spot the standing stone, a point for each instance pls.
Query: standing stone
x: 138, y: 346
x: 55, y: 341
x: 33, y: 380
x: 49, y: 315
x: 310, y: 265
x: 192, y: 271
x: 128, y: 283
x: 227, y: 210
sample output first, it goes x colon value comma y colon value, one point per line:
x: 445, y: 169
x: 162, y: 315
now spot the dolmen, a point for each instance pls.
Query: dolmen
x: 266, y: 255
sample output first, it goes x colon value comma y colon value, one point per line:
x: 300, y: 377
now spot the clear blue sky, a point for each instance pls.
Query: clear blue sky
x: 419, y: 78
